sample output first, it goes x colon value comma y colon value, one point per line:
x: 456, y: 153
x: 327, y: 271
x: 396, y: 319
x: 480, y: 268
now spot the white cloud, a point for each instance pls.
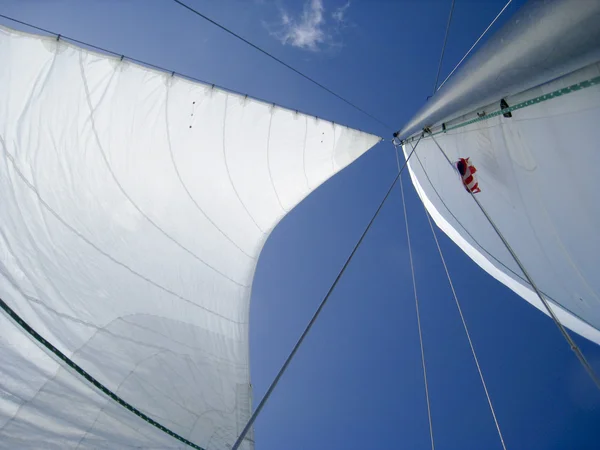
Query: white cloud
x: 310, y: 30
x: 339, y: 15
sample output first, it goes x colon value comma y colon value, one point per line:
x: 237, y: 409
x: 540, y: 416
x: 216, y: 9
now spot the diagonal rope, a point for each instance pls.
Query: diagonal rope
x: 315, y: 316
x: 584, y: 362
x: 462, y: 318
x: 412, y: 271
x: 474, y: 45
x: 437, y: 77
x: 39, y: 339
x: 283, y: 63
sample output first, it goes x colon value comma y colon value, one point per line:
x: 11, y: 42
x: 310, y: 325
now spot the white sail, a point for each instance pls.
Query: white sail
x: 537, y: 172
x: 134, y: 207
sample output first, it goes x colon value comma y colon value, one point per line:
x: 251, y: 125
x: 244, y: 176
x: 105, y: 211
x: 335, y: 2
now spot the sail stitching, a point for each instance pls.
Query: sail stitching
x: 185, y: 188
x: 304, y: 152
x: 414, y: 283
x: 462, y: 318
x: 126, y: 194
x: 533, y: 101
x: 229, y: 173
x: 333, y: 149
x: 101, y: 410
x: 98, y: 249
x: 97, y: 330
x: 584, y: 362
x: 79, y: 370
x: 284, y: 209
x: 103, y: 329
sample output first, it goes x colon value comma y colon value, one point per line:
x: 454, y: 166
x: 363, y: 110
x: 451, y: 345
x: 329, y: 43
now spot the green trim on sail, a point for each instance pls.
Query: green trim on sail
x: 534, y: 101
x: 13, y: 315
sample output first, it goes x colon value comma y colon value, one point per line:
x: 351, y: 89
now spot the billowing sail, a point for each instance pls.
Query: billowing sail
x: 134, y: 208
x: 537, y: 168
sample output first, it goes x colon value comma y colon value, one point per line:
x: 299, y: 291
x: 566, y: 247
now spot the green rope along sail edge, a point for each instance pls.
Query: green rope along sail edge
x: 39, y: 338
x: 534, y: 101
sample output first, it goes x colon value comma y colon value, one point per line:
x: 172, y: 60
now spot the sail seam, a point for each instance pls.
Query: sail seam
x: 333, y: 149
x: 229, y: 173
x: 284, y: 209
x: 124, y: 192
x: 98, y: 249
x: 184, y: 186
x: 97, y: 330
x: 89, y: 378
x: 533, y: 101
x: 101, y: 410
x: 304, y: 152
x: 34, y: 243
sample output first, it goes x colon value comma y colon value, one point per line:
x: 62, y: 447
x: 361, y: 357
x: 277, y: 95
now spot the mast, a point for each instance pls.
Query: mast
x: 544, y: 40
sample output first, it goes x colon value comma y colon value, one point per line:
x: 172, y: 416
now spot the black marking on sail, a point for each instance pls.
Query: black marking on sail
x: 504, y: 106
x: 90, y: 379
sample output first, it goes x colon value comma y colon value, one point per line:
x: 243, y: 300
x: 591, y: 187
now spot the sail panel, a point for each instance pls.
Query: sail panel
x: 135, y: 207
x: 537, y: 172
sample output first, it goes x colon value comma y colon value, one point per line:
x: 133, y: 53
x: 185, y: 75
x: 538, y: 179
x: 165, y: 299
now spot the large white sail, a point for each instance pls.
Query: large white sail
x: 537, y: 170
x: 537, y: 173
x: 134, y: 208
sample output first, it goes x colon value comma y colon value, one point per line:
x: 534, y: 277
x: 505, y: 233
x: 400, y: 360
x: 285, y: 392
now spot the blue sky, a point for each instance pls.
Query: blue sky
x: 357, y: 381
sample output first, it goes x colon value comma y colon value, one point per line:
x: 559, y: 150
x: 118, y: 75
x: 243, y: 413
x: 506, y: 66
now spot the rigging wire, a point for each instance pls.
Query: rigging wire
x: 473, y: 46
x: 315, y: 316
x: 283, y: 63
x: 437, y: 77
x: 462, y: 318
x: 584, y: 362
x: 412, y: 271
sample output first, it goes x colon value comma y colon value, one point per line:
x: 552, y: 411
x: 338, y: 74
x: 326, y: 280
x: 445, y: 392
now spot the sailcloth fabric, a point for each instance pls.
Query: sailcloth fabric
x: 134, y: 207
x: 538, y: 174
